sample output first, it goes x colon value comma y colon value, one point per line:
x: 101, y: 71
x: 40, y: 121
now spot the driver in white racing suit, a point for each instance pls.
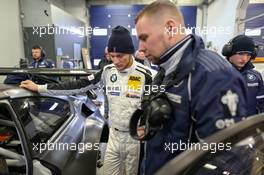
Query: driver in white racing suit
x: 125, y: 81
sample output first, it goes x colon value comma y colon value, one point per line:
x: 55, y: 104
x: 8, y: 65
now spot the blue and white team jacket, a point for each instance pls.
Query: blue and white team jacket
x: 209, y: 96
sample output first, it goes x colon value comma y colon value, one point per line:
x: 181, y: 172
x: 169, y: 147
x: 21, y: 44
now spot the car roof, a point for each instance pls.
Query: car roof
x: 14, y: 91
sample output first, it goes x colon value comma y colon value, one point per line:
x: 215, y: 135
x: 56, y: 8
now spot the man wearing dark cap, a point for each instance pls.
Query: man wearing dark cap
x: 39, y: 58
x: 39, y: 61
x: 239, y: 52
x: 124, y: 81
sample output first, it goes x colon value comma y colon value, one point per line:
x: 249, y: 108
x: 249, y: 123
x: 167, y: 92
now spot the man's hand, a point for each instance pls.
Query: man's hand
x: 30, y: 85
x: 141, y: 131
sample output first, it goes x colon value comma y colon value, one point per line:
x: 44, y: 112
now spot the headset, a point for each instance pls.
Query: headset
x: 42, y: 51
x: 228, y: 48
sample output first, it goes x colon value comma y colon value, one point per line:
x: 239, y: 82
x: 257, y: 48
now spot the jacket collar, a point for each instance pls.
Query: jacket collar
x: 180, y: 59
x: 40, y: 60
x: 247, y: 67
x: 130, y: 68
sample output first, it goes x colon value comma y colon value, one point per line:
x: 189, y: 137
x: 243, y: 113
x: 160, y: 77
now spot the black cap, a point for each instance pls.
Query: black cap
x: 120, y: 41
x: 243, y: 43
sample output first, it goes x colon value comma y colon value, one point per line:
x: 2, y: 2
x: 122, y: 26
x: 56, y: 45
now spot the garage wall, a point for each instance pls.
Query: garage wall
x: 65, y: 42
x: 221, y: 22
x: 11, y: 46
x: 106, y: 17
x: 255, y: 28
x: 36, y: 13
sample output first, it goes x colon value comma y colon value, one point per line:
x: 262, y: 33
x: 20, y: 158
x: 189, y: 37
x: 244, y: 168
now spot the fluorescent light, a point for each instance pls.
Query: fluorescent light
x: 253, y: 32
x: 99, y: 32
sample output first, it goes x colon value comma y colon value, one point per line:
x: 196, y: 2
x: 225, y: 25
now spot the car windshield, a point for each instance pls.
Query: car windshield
x: 41, y: 116
x: 244, y: 158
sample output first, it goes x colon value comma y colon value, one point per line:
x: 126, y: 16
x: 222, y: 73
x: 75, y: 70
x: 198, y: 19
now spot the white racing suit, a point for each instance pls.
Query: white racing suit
x: 124, y: 90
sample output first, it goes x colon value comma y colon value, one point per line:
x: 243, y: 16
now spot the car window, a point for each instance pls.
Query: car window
x: 244, y: 158
x: 41, y: 116
x: 4, y: 114
x: 10, y: 143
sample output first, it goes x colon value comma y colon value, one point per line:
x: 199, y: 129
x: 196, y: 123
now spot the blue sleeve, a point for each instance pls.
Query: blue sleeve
x: 260, y: 95
x: 218, y: 101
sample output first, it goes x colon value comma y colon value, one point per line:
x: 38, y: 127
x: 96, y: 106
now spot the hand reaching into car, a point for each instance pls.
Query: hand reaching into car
x: 30, y: 85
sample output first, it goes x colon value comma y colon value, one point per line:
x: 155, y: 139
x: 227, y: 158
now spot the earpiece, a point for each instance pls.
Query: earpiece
x: 228, y: 49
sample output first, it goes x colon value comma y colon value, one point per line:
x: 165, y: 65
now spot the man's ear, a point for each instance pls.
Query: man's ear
x: 171, y: 28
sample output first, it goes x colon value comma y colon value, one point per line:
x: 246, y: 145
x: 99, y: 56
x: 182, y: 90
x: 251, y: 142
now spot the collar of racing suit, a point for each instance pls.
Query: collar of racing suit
x: 127, y: 70
x: 180, y: 59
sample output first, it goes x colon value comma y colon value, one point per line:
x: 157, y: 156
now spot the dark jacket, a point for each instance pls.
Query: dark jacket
x: 255, y: 87
x: 209, y: 95
x: 103, y: 63
x: 42, y: 63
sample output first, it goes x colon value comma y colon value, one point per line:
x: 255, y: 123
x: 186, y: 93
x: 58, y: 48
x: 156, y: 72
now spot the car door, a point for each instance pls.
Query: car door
x: 15, y: 157
x: 43, y: 120
x: 237, y: 150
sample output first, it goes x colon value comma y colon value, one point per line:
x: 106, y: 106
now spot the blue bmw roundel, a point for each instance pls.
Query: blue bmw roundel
x: 113, y: 78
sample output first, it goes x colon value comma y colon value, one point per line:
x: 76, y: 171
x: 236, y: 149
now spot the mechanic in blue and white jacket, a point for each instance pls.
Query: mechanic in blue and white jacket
x: 39, y: 61
x: 239, y: 51
x: 39, y: 58
x: 208, y: 94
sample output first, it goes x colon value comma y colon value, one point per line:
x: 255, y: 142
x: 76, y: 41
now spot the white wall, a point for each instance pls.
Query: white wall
x: 221, y: 16
x: 34, y: 14
x: 11, y: 46
x: 199, y: 17
x: 77, y: 9
x: 129, y: 2
x: 63, y: 19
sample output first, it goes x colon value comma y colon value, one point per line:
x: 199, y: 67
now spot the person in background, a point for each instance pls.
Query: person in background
x: 106, y: 60
x: 39, y: 61
x: 205, y: 93
x: 240, y: 51
x: 140, y: 57
x: 39, y: 58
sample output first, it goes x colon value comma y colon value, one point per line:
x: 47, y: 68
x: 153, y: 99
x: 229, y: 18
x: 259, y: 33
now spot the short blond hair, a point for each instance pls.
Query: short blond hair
x: 161, y: 7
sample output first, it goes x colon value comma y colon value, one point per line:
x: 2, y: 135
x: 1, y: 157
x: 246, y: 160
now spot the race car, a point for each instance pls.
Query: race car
x: 238, y: 149
x: 43, y: 134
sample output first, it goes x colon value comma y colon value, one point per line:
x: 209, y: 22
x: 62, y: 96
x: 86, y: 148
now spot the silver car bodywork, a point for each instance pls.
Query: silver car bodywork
x: 83, y: 125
